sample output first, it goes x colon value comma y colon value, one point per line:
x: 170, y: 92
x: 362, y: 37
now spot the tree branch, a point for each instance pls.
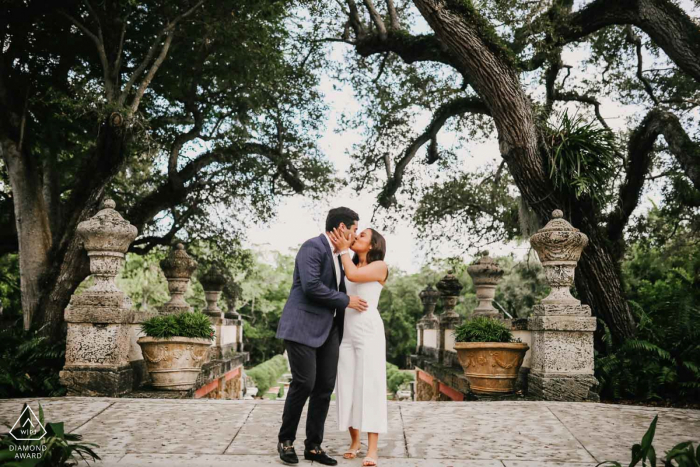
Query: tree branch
x: 376, y: 19
x: 166, y: 31
x: 635, y: 40
x: 100, y: 45
x: 450, y: 109
x: 393, y: 16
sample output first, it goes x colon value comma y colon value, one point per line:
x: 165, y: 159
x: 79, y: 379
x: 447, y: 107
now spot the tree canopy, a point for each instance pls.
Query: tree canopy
x: 593, y: 106
x: 195, y: 116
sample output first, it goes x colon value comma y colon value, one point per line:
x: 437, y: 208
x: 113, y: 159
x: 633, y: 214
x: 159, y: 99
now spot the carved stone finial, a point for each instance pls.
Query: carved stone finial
x: 429, y: 298
x: 486, y: 275
x: 177, y: 267
x: 106, y: 236
x: 213, y: 282
x: 559, y: 245
x: 449, y: 288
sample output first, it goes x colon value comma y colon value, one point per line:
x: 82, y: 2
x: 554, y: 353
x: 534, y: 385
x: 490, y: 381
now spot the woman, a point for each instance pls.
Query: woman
x: 361, y: 383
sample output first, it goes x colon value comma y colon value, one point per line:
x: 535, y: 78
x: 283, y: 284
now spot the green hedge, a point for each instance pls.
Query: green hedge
x: 396, y: 378
x: 267, y: 373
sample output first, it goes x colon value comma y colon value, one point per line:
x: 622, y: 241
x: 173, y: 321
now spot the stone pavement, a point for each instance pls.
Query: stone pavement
x: 220, y: 433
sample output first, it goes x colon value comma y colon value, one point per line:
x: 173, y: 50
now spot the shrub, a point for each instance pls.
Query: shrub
x: 396, y: 378
x: 267, y: 373
x: 662, y: 361
x: 184, y: 324
x: 29, y: 363
x: 59, y: 451
x: 483, y: 329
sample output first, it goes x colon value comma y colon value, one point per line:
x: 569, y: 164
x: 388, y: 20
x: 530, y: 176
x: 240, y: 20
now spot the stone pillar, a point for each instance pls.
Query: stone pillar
x: 177, y: 267
x: 213, y: 282
x: 97, y: 340
x: 486, y: 275
x: 562, y: 328
x: 429, y: 325
x: 449, y: 288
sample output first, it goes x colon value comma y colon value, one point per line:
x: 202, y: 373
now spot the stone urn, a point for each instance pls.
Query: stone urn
x: 174, y: 363
x: 486, y: 275
x: 491, y: 367
x: 559, y: 246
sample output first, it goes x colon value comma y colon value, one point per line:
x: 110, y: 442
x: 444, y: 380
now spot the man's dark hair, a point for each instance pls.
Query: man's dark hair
x: 342, y: 215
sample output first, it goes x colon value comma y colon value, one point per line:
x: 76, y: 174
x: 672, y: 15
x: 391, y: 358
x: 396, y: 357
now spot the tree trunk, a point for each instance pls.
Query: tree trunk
x: 33, y: 230
x: 69, y: 264
x: 496, y: 81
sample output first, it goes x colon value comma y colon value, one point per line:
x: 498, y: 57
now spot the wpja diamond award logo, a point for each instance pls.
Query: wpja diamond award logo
x: 29, y: 430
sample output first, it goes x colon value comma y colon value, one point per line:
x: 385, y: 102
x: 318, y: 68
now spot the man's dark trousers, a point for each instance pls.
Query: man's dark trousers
x: 313, y: 377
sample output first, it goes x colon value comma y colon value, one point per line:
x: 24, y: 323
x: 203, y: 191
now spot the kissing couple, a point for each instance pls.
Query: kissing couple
x: 331, y: 327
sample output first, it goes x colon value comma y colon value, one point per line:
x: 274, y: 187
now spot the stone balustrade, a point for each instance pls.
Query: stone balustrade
x: 102, y: 354
x: 559, y: 364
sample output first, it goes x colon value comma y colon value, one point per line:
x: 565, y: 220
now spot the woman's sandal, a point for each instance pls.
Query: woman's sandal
x: 369, y: 462
x: 351, y: 453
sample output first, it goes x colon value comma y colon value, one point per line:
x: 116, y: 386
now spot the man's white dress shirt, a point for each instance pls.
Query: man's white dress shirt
x: 336, y: 265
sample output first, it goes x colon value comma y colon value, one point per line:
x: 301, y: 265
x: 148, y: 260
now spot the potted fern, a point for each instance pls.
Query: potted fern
x: 175, y: 347
x: 491, y: 359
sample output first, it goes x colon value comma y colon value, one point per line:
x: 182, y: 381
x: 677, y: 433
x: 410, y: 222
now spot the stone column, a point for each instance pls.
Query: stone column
x: 449, y: 288
x: 486, y: 275
x: 562, y: 328
x: 97, y: 340
x: 428, y: 325
x: 177, y: 267
x: 213, y: 282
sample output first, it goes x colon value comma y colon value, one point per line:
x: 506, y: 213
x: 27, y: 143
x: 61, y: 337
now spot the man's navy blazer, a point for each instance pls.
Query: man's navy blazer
x: 307, y: 317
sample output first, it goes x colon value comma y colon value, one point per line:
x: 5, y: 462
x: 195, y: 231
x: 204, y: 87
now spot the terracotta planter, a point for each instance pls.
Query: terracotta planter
x: 491, y: 367
x: 174, y: 363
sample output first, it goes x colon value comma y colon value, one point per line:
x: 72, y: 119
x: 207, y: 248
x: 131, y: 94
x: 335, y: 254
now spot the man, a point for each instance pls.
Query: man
x: 312, y: 328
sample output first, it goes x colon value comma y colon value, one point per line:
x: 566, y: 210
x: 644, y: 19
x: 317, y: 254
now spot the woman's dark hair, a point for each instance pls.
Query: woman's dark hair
x: 378, y: 248
x: 342, y: 215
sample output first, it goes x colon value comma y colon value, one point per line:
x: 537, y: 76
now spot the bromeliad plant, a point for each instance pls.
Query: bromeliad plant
x: 681, y: 455
x: 55, y: 449
x: 581, y: 156
x: 185, y: 324
x: 483, y: 329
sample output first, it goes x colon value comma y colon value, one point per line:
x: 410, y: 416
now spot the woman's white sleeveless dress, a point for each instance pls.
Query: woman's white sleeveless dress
x: 361, y: 383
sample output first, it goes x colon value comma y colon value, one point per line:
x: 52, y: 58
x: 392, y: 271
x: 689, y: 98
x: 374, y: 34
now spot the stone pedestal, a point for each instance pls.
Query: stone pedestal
x: 486, y: 275
x: 97, y: 341
x: 449, y: 288
x: 562, y: 329
x: 227, y: 332
x: 177, y: 267
x: 429, y: 324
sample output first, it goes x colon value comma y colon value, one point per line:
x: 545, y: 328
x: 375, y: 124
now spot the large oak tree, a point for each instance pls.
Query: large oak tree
x: 502, y: 66
x: 195, y: 115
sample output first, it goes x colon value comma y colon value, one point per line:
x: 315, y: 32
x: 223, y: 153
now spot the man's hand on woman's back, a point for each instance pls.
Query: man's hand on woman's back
x: 357, y: 303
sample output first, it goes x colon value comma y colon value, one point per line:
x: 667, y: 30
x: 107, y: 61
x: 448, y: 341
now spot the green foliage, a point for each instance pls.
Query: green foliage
x: 483, y: 329
x: 581, y: 156
x: 681, y: 455
x: 523, y: 285
x: 396, y: 378
x: 10, y: 297
x: 662, y: 362
x: 265, y: 287
x: 185, y: 324
x: 57, y: 448
x: 267, y: 373
x: 29, y: 363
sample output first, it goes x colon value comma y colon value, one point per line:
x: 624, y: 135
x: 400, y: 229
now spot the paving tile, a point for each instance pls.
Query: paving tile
x: 259, y: 434
x: 165, y: 428
x: 609, y: 431
x: 488, y: 430
x: 73, y: 412
x: 546, y: 464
